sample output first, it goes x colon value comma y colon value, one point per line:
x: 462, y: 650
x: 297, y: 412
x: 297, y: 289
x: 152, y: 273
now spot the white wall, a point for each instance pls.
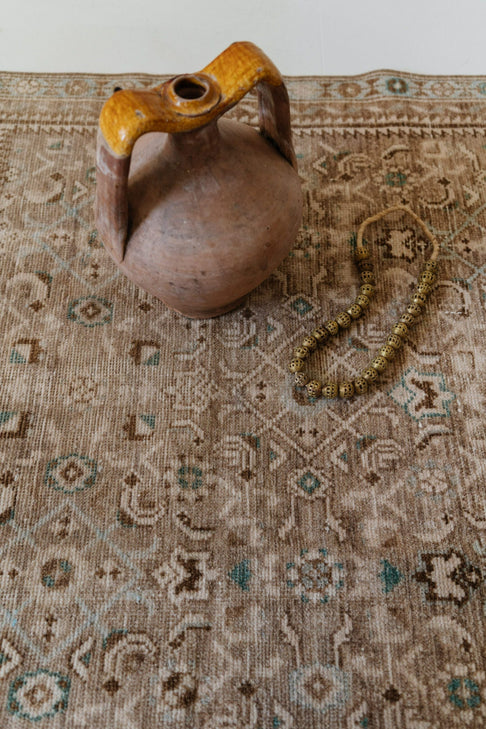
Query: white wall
x: 301, y: 36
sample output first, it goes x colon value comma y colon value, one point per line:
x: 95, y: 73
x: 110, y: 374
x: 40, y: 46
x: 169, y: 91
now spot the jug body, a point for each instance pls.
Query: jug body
x: 198, y: 217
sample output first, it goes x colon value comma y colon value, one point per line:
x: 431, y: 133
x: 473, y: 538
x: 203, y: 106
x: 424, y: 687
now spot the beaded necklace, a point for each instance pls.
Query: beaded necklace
x: 399, y: 331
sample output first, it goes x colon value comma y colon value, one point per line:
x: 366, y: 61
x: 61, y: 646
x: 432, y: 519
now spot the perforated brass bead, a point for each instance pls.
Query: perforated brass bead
x: 370, y: 374
x: 296, y: 365
x: 400, y: 329
x: 394, y: 341
x: 364, y: 265
x: 414, y: 309
x: 408, y: 319
x: 388, y: 352
x: 320, y: 335
x: 314, y: 388
x: 301, y: 379
x: 346, y: 389
x: 367, y: 290
x: 431, y: 266
x: 301, y: 352
x: 424, y: 288
x: 428, y: 277
x: 310, y: 342
x: 344, y: 320
x: 360, y: 386
x: 332, y: 327
x: 330, y: 390
x: 379, y: 363
x: 354, y: 311
x: 361, y: 253
x: 362, y: 301
x: 419, y: 299
x: 367, y: 277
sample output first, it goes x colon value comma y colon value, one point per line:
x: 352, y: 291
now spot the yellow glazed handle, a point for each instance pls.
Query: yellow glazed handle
x: 187, y: 102
x: 182, y: 104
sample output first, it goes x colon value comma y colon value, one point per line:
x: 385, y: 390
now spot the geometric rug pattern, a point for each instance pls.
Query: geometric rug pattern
x: 188, y: 541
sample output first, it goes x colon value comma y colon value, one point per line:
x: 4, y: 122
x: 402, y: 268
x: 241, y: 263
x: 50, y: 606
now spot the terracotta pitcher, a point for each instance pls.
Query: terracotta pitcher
x: 195, y: 209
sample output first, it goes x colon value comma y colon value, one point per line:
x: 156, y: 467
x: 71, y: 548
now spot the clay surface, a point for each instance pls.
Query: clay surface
x: 196, y: 209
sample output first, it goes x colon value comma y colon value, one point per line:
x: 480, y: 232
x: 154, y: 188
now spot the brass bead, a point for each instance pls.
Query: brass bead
x: 354, y: 311
x: 419, y: 299
x: 301, y: 379
x: 362, y: 301
x: 400, y: 329
x: 394, y: 341
x: 424, y: 288
x: 379, y: 363
x: 367, y: 290
x: 310, y: 342
x: 361, y: 253
x: 332, y: 327
x: 431, y: 266
x: 414, y: 309
x: 428, y: 277
x: 314, y: 388
x: 367, y: 277
x: 388, y: 352
x: 330, y: 390
x: 364, y: 265
x: 346, y: 389
x: 370, y: 374
x: 301, y: 352
x: 344, y: 320
x: 408, y: 319
x: 320, y: 335
x: 296, y: 365
x: 360, y: 386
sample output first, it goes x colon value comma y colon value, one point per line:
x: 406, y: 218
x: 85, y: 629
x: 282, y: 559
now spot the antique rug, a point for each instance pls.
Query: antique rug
x: 188, y: 541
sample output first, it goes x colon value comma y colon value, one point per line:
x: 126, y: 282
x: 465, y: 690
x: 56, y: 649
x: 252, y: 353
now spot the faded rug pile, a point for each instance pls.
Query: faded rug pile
x: 187, y: 540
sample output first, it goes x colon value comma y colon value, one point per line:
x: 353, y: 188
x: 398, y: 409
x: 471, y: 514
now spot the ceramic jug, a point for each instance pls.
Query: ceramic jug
x: 195, y: 209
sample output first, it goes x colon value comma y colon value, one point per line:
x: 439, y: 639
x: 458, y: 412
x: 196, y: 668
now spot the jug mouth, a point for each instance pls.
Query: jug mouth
x: 193, y: 94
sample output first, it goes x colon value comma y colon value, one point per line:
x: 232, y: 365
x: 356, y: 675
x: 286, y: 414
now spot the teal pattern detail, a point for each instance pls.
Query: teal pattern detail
x: 56, y: 573
x: 153, y: 360
x: 301, y: 306
x: 241, y: 575
x: 90, y: 311
x: 360, y: 443
x: 390, y: 576
x: 396, y: 179
x: 38, y: 695
x: 71, y: 473
x: 109, y: 638
x: 6, y: 415
x: 190, y: 477
x: 464, y: 693
x: 309, y: 482
x: 86, y: 659
x: 148, y: 420
x: 16, y: 358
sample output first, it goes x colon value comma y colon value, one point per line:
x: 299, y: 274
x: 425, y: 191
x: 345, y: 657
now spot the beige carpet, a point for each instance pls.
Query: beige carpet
x: 187, y: 541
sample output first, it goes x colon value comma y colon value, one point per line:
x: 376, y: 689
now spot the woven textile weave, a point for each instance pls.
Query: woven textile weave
x: 186, y: 540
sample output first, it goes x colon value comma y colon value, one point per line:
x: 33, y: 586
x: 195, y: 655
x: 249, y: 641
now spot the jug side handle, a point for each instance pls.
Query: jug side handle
x: 182, y: 104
